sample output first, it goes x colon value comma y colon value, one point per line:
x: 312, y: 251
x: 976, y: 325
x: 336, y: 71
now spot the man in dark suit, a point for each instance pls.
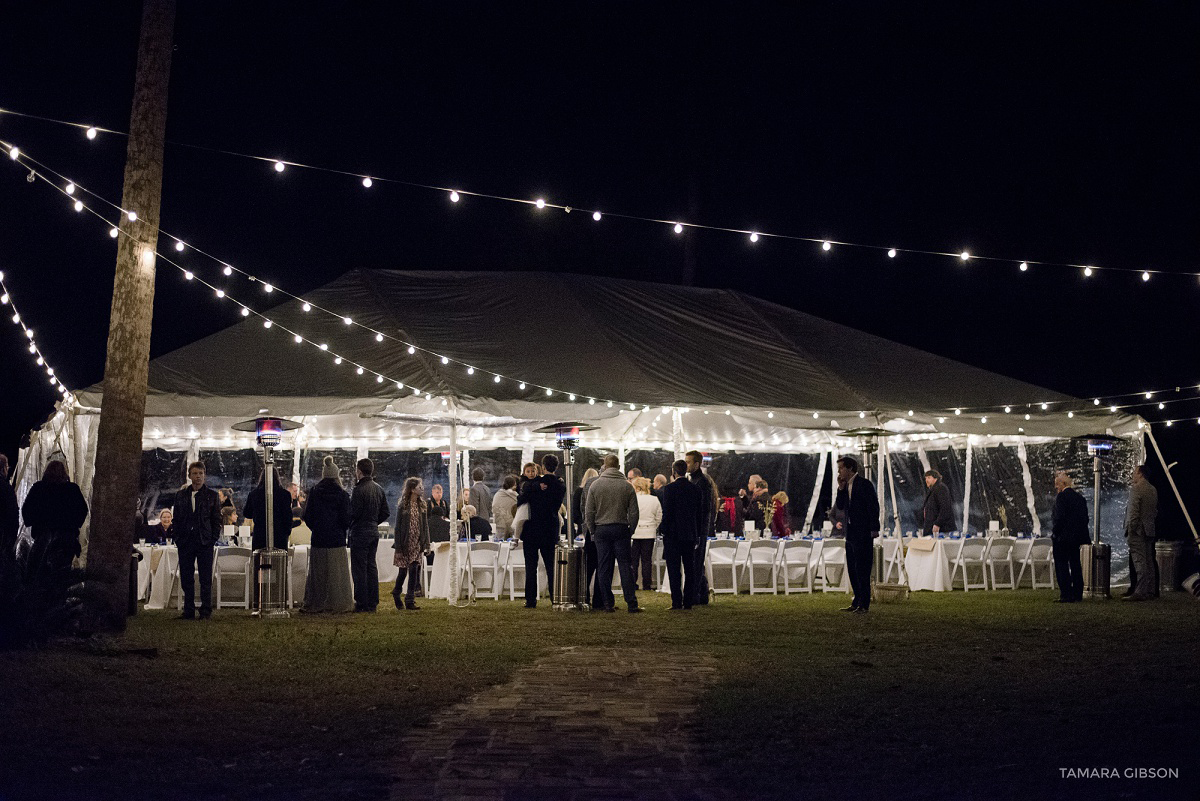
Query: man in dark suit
x: 1069, y: 530
x: 196, y: 528
x: 539, y: 535
x: 708, y: 518
x: 856, y: 497
x: 682, y: 522
x: 939, y: 512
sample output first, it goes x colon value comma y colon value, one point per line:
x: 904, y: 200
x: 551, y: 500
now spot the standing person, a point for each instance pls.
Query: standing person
x: 709, y: 503
x: 745, y: 495
x: 939, y: 512
x: 656, y: 489
x: 682, y: 522
x: 781, y: 527
x: 197, y: 523
x: 412, y: 541
x: 504, y: 506
x: 544, y: 495
x: 368, y: 508
x: 858, y: 501
x: 10, y: 527
x: 611, y: 513
x: 256, y: 511
x: 1140, y: 532
x: 755, y: 507
x: 1069, y: 531
x: 327, y: 513
x: 480, y: 496
x: 54, y: 510
x: 642, y: 545
x: 589, y: 541
x: 633, y: 475
x: 577, y: 498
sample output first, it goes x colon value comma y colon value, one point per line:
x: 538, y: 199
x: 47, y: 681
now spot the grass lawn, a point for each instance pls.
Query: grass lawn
x: 943, y: 696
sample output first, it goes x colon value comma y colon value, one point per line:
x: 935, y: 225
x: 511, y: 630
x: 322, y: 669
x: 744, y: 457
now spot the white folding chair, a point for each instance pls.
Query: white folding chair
x: 893, y: 560
x: 485, y: 569
x: 177, y: 581
x: 763, y: 561
x: 722, y: 557
x: 232, y: 562
x: 1041, y: 554
x: 658, y: 564
x: 1000, y: 552
x: 973, y: 553
x: 794, y: 566
x: 514, y: 575
x: 832, y: 562
x: 297, y: 574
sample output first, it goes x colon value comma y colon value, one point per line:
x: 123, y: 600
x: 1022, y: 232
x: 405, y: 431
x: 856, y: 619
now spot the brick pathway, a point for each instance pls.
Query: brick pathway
x: 582, y: 724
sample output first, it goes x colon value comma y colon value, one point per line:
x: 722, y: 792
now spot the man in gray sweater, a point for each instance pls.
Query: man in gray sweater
x: 1140, y: 517
x: 610, y: 512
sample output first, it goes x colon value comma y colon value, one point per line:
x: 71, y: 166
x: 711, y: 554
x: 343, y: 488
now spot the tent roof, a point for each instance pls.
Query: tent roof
x: 625, y: 341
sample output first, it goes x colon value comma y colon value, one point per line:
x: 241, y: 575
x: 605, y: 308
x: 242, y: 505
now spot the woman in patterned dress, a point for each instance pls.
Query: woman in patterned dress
x: 412, y: 540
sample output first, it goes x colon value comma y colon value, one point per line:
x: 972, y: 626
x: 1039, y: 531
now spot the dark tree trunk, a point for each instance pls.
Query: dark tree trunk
x: 119, y: 438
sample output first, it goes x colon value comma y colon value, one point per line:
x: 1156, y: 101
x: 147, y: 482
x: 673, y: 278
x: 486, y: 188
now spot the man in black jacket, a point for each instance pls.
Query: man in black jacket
x: 708, y: 519
x: 368, y: 508
x: 1069, y: 530
x: 939, y: 512
x: 539, y: 535
x: 197, y: 524
x: 856, y: 497
x: 682, y: 522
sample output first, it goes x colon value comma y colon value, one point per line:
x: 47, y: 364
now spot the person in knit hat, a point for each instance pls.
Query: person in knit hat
x: 327, y: 513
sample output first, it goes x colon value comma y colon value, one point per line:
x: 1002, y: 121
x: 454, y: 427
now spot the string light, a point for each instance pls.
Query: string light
x: 70, y: 190
x: 891, y: 253
x: 753, y: 237
x: 7, y: 299
x: 678, y: 228
x: 541, y: 204
x: 1145, y: 276
x: 367, y: 182
x: 1087, y: 272
x: 279, y: 166
x: 78, y: 205
x: 596, y: 216
x: 306, y: 307
x: 826, y: 245
x: 1024, y: 266
x: 91, y: 132
x: 454, y: 197
x: 179, y: 246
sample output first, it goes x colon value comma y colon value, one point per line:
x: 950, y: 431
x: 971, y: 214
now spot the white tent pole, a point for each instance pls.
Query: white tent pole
x: 677, y: 433
x: 816, y: 493
x: 526, y: 454
x: 1027, y: 479
x: 967, y: 495
x: 924, y: 457
x: 621, y: 454
x: 891, y: 476
x: 879, y: 490
x: 362, y: 451
x: 453, y: 557
x: 1174, y: 488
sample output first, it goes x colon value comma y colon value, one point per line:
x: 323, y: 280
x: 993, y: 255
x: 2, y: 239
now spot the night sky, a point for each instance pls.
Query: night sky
x: 1053, y: 132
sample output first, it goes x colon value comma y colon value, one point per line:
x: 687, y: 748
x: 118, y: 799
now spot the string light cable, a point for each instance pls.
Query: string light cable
x: 826, y: 244
x: 10, y: 304
x: 73, y: 191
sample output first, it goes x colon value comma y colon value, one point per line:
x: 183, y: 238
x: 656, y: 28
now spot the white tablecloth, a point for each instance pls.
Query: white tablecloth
x: 143, y: 580
x: 162, y: 590
x: 439, y: 579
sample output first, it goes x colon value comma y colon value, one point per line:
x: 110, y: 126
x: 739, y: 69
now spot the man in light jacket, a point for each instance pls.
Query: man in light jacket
x: 504, y: 507
x: 610, y: 510
x: 1140, y: 532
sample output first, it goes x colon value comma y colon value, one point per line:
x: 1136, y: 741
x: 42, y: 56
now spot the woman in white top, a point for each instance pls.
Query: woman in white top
x: 649, y: 516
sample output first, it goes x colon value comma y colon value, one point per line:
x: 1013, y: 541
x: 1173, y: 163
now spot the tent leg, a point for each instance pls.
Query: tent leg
x: 453, y: 555
x: 891, y: 476
x: 1174, y: 488
x: 816, y: 494
x: 967, y: 495
x: 1027, y: 479
x: 924, y: 457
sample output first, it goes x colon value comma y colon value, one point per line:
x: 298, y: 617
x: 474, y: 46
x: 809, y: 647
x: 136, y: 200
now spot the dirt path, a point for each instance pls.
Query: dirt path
x: 582, y: 723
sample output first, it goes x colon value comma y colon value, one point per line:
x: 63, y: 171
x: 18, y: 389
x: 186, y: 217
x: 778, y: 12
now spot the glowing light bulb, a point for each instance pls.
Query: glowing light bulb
x: 179, y: 246
x: 359, y: 371
x: 1024, y: 266
x: 399, y: 385
x: 678, y: 228
x: 753, y: 237
x: 1026, y: 417
x: 454, y: 197
x: 347, y: 321
x: 306, y: 307
x: 1096, y: 402
x: 1045, y: 406
x: 367, y: 182
x: 411, y: 350
x: 1070, y: 414
x: 1145, y: 276
x: 267, y: 323
x: 941, y: 419
x: 892, y: 253
x: 770, y: 414
x: 957, y: 412
x: 188, y: 275
x: 323, y: 346
x: 228, y: 270
x: 470, y: 371
x: 338, y: 360
x: 826, y: 245
x: 964, y: 255
x: 1008, y: 410
x: 33, y: 349
x: 1162, y: 406
x: 983, y: 420
x: 220, y: 293
x: 113, y: 232
x: 14, y: 153
x: 91, y: 132
x: 549, y: 392
x: 78, y: 205
x: 378, y: 379
x: 1087, y: 272
x: 1112, y: 408
x: 862, y: 415
x: 279, y: 166
x: 816, y: 415
x: 298, y: 339
x: 70, y: 190
x: 245, y: 312
x: 268, y: 288
x: 591, y: 401
x: 416, y: 391
x: 1170, y: 423
x: 132, y: 215
x: 571, y: 397
x: 609, y: 404
x: 541, y: 204
x: 16, y: 318
x: 445, y: 360
x: 522, y: 385
x: 4, y: 299
x: 496, y: 379
x: 596, y: 216
x: 379, y: 337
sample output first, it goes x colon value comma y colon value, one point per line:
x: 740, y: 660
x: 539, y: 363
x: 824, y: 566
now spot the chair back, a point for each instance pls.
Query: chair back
x: 764, y: 552
x: 485, y: 554
x: 232, y: 560
x: 797, y: 552
x: 1041, y: 548
x: 722, y: 551
x: 833, y: 551
x: 1001, y: 548
x: 974, y: 548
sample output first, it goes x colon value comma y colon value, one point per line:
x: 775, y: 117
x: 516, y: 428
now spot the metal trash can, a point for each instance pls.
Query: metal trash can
x: 570, y: 579
x: 270, y: 582
x: 133, y: 583
x: 1097, y: 570
x: 1168, y: 554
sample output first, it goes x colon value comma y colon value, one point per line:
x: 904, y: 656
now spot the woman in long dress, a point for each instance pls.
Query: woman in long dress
x: 327, y: 513
x: 412, y: 540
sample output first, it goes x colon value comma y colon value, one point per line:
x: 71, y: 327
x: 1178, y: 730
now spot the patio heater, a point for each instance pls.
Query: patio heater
x: 570, y: 564
x: 270, y: 564
x: 1097, y: 556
